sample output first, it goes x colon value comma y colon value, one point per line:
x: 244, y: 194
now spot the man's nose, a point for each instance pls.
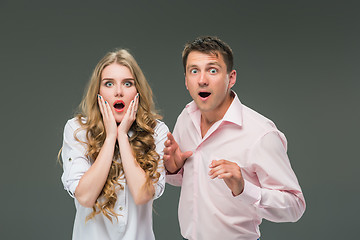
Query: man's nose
x: 203, y: 80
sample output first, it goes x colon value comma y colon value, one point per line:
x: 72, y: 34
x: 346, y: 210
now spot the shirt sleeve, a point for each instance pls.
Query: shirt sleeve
x: 75, y: 163
x: 279, y: 197
x: 161, y: 131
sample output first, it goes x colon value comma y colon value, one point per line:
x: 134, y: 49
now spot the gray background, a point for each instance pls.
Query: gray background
x: 297, y: 64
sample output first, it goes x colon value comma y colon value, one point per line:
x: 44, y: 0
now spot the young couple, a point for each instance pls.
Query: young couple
x: 230, y: 161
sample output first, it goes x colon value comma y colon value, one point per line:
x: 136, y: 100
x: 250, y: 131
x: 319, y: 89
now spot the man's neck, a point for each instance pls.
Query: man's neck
x: 205, y: 125
x: 209, y: 118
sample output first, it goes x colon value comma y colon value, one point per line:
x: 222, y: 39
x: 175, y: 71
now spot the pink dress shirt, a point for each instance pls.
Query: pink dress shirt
x: 207, y: 208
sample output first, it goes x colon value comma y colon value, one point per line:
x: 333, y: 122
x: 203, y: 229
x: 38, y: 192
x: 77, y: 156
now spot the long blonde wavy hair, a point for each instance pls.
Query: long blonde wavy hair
x: 142, y: 141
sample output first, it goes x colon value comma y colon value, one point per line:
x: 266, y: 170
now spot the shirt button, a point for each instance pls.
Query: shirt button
x: 120, y: 208
x: 70, y: 159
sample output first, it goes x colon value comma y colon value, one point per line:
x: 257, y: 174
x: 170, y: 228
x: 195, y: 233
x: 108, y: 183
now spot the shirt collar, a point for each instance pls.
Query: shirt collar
x: 233, y: 114
x: 191, y: 107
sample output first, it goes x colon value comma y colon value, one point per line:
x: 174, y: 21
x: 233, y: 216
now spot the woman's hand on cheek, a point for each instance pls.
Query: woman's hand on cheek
x: 129, y: 117
x: 108, y: 117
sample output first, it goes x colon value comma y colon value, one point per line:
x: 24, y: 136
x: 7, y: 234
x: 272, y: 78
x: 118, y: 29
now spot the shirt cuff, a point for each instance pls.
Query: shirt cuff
x: 71, y: 188
x: 174, y: 179
x: 251, y: 193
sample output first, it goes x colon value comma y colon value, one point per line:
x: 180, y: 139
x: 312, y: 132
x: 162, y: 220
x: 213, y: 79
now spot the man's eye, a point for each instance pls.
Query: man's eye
x: 109, y: 84
x: 213, y: 70
x: 194, y: 71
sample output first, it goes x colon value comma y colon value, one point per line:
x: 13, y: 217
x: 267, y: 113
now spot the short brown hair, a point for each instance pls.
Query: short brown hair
x: 209, y: 45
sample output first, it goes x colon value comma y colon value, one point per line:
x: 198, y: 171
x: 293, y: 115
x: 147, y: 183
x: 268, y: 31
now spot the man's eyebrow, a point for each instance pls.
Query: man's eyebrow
x: 214, y: 63
x: 192, y: 65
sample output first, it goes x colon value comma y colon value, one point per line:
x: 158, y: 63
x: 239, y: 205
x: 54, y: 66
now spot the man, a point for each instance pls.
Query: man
x: 229, y: 160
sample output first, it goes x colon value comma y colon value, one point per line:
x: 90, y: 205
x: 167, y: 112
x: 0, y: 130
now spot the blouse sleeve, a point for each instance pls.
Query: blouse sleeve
x: 161, y: 131
x: 75, y: 163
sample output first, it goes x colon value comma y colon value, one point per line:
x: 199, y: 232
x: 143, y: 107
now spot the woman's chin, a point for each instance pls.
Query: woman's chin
x: 118, y: 119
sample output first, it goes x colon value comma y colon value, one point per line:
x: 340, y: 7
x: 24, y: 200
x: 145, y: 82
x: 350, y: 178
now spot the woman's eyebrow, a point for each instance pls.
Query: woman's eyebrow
x: 106, y: 79
x: 113, y: 79
x: 127, y: 79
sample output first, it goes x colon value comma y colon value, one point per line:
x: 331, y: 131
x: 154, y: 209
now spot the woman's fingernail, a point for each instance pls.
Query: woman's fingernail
x: 106, y: 102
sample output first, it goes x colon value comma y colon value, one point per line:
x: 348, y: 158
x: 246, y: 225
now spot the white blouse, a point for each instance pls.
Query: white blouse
x: 135, y: 221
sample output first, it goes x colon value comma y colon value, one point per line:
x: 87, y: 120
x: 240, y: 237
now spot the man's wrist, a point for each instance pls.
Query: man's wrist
x: 172, y: 173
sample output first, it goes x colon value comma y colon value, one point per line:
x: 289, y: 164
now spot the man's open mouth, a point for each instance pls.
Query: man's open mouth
x: 204, y: 95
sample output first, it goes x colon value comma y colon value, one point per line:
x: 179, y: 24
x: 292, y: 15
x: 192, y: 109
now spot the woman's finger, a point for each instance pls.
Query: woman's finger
x: 105, y: 110
x: 136, y: 104
x: 100, y: 103
x: 129, y: 117
x: 131, y: 109
x: 109, y: 112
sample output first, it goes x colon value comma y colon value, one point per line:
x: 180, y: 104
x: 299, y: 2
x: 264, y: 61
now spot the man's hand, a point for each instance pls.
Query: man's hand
x: 230, y: 172
x: 174, y: 159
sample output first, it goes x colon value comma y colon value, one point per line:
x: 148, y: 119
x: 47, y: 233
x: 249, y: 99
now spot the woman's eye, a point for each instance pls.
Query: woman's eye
x: 128, y: 84
x: 194, y: 71
x: 109, y: 84
x: 213, y: 70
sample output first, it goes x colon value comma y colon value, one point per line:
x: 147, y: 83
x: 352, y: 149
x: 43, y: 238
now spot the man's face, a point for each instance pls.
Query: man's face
x: 208, y: 82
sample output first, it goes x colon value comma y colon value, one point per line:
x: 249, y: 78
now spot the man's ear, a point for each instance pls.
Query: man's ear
x: 232, y: 78
x: 186, y: 81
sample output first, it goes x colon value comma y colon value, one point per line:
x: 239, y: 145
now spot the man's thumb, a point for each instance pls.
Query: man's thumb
x: 187, y: 154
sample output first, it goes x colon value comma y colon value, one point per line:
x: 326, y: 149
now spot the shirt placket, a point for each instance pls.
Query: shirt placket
x: 121, y: 208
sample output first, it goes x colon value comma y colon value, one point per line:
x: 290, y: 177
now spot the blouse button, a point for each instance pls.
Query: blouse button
x: 70, y: 159
x: 120, y: 208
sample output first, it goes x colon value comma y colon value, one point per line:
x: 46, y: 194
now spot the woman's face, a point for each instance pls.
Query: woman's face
x: 117, y: 87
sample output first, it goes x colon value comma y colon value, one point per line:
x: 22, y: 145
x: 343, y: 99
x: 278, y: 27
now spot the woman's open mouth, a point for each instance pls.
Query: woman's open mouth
x: 119, y: 105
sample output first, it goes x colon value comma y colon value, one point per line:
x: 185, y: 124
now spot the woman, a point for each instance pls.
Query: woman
x: 112, y: 153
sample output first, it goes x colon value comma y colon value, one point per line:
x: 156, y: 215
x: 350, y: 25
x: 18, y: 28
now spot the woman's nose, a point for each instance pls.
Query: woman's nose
x: 118, y: 91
